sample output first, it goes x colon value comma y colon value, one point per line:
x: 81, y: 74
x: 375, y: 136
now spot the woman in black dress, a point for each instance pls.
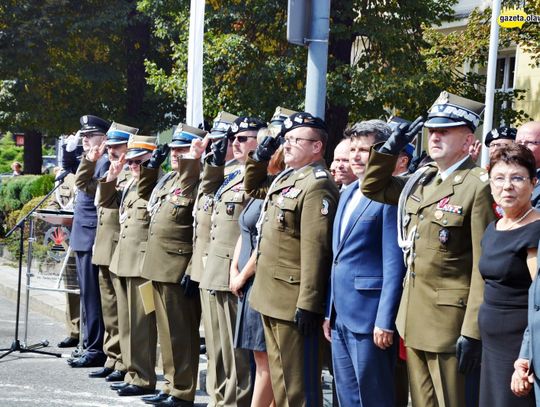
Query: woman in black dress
x: 508, y: 246
x: 249, y: 332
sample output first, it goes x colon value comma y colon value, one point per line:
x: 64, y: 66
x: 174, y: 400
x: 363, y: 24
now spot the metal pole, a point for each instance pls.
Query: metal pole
x: 31, y: 240
x: 491, y: 74
x: 194, y: 99
x: 317, y: 58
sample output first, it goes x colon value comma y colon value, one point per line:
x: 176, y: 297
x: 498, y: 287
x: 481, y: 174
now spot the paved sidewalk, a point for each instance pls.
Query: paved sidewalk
x: 52, y: 304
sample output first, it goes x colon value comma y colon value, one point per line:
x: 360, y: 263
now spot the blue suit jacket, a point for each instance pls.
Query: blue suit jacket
x: 530, y: 347
x: 367, y: 272
x: 83, y: 231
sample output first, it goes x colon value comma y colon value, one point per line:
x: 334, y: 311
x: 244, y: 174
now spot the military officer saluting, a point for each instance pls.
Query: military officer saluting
x: 82, y: 238
x: 168, y: 253
x: 137, y: 330
x: 107, y: 229
x: 294, y: 256
x: 444, y: 208
x: 204, y: 206
x: 229, y: 200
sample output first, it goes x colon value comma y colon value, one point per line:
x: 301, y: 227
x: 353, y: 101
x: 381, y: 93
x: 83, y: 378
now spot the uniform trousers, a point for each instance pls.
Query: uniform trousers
x: 141, y: 370
x: 237, y: 389
x: 138, y: 333
x: 111, y: 338
x: 295, y: 363
x: 73, y: 301
x: 178, y: 320
x: 120, y: 291
x: 434, y: 379
x: 363, y: 373
x: 213, y: 349
x: 94, y: 330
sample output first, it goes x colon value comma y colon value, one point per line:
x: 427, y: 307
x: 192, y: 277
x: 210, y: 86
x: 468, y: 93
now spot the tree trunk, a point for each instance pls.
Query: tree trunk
x: 32, y: 152
x: 137, y: 45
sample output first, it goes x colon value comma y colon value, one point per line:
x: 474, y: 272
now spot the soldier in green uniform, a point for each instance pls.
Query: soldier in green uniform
x: 168, y: 253
x: 229, y: 200
x: 137, y: 330
x: 444, y: 209
x: 106, y: 238
x: 215, y: 376
x: 294, y: 256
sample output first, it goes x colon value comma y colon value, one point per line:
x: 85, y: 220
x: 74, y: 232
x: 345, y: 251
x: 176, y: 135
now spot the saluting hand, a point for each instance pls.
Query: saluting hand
x: 198, y: 147
x: 116, y: 168
x: 382, y: 339
x: 401, y: 136
x: 96, y: 152
x: 474, y: 150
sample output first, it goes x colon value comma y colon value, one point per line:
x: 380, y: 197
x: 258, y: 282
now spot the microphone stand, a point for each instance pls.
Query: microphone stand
x: 16, y: 344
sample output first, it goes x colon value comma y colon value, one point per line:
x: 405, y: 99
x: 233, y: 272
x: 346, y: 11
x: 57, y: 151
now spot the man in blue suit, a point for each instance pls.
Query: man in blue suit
x: 82, y: 238
x: 365, y: 287
x: 526, y: 374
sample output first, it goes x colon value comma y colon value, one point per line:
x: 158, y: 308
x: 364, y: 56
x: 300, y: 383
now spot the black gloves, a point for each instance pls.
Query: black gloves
x: 469, y: 354
x: 191, y: 288
x: 416, y: 161
x: 307, y: 322
x: 219, y: 150
x: 401, y: 136
x: 158, y: 156
x: 266, y: 149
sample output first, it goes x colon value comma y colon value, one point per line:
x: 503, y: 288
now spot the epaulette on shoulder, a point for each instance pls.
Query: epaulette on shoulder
x: 480, y: 173
x: 320, y: 172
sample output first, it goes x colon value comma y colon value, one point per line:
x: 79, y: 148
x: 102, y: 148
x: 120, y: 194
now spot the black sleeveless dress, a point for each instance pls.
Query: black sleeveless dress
x: 502, y: 317
x: 249, y: 332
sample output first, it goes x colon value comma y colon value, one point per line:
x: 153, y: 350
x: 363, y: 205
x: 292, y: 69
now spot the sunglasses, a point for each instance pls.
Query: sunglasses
x: 241, y: 139
x: 136, y: 162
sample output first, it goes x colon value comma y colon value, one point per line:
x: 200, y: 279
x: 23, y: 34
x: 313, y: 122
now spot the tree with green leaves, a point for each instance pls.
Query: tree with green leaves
x: 61, y: 59
x: 249, y: 68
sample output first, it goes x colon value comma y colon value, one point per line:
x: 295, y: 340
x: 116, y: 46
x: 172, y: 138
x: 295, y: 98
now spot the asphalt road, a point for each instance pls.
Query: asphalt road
x: 28, y: 379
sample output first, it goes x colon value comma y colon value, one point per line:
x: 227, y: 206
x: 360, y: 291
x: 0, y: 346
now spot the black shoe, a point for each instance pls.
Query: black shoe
x: 77, y: 353
x: 134, y: 390
x: 118, y: 386
x: 155, y: 399
x: 68, y: 343
x: 116, y: 376
x: 87, y: 361
x: 103, y: 372
x: 175, y: 402
x: 202, y: 349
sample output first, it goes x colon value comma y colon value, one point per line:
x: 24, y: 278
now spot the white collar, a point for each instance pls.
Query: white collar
x: 446, y: 173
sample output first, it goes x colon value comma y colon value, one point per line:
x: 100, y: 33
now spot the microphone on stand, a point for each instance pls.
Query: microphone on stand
x: 60, y: 177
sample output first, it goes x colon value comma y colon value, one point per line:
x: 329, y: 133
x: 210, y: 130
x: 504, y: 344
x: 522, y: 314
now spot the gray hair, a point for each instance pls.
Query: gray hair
x: 376, y: 128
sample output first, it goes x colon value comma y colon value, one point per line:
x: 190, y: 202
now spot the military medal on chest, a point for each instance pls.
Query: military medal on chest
x: 174, y: 195
x: 229, y: 209
x: 444, y: 206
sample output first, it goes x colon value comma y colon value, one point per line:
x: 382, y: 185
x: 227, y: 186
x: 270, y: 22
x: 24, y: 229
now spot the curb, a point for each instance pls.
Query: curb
x: 36, y: 305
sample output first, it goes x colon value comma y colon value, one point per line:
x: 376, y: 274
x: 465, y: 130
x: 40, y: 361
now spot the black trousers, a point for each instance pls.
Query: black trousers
x: 88, y: 275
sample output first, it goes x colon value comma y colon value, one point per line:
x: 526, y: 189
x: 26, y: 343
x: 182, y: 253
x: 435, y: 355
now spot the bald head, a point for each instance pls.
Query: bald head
x: 528, y: 135
x: 343, y: 173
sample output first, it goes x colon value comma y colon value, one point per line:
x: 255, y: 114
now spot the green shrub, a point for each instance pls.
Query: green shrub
x: 9, y: 152
x: 12, y: 242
